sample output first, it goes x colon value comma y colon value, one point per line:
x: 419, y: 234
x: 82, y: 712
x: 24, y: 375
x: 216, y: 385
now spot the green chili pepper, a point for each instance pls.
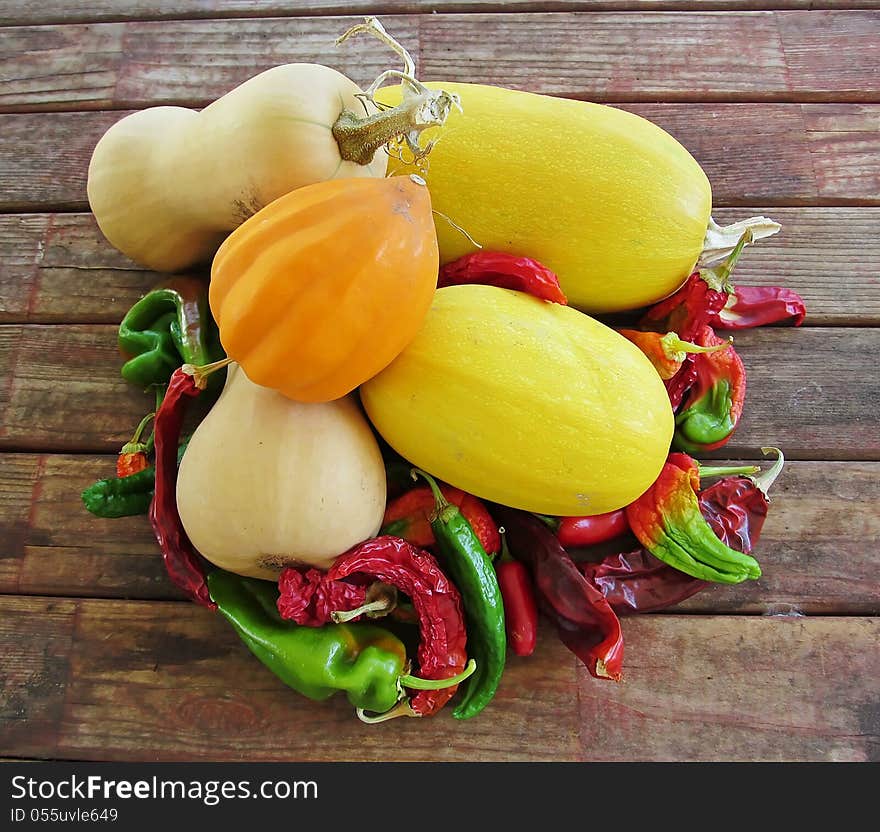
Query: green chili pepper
x: 121, y: 496
x: 668, y: 522
x: 363, y: 660
x: 170, y: 326
x: 472, y: 571
x: 125, y: 496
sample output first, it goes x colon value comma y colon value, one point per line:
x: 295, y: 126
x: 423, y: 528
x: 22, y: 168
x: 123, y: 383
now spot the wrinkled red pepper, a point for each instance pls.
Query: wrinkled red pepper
x: 409, y: 516
x: 507, y: 271
x: 391, y: 560
x: 184, y: 564
x: 584, y: 619
x: 686, y: 311
x: 712, y: 409
x: 750, y: 306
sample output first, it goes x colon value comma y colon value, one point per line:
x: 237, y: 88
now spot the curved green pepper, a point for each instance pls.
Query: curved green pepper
x: 363, y: 660
x: 473, y: 573
x: 171, y: 325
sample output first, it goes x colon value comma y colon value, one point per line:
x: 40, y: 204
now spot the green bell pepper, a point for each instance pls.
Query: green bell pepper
x: 363, y: 660
x: 170, y: 326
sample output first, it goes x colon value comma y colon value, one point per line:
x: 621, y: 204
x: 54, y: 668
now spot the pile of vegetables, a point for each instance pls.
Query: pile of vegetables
x: 426, y: 441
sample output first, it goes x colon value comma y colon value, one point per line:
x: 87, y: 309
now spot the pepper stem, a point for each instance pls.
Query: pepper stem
x: 675, y: 349
x: 200, y: 374
x: 402, y: 708
x: 718, y: 277
x: 710, y: 471
x: 442, y: 507
x: 766, y: 480
x: 721, y: 240
x: 134, y: 445
x: 359, y: 137
x: 417, y: 683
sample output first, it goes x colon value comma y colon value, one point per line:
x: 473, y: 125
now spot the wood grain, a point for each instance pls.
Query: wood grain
x: 817, y: 548
x: 21, y: 12
x: 812, y: 392
x: 741, y: 688
x: 789, y: 55
x: 162, y: 681
x: 754, y: 154
x: 58, y: 268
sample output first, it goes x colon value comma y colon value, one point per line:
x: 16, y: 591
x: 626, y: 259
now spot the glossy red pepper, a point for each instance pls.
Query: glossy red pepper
x: 390, y: 560
x: 508, y: 271
x: 588, y: 531
x: 584, y: 619
x: 520, y: 606
x: 183, y: 563
x: 409, y: 516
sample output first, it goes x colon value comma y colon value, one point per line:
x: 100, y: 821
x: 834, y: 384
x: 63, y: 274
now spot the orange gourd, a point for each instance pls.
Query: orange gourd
x: 325, y: 286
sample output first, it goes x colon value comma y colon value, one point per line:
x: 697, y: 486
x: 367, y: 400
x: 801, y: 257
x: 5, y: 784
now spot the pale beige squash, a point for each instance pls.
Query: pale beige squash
x: 266, y: 481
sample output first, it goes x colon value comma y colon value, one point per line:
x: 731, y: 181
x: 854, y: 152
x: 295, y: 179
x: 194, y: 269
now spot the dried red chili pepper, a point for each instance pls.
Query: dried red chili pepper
x: 711, y: 411
x: 736, y: 506
x: 508, y: 271
x: 749, y: 306
x: 184, y: 565
x: 584, y: 619
x: 308, y: 599
x: 409, y: 516
x: 520, y: 606
x: 133, y: 455
x: 392, y: 560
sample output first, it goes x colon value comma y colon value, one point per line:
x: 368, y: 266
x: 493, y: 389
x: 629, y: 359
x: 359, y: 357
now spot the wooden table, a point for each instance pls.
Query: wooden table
x: 779, y: 101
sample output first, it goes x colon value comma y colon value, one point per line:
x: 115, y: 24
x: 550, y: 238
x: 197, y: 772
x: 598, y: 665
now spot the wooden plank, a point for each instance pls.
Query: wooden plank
x: 21, y: 12
x: 740, y: 688
x: 817, y: 547
x: 812, y: 392
x: 36, y: 635
x: 789, y: 55
x: 164, y: 681
x: 58, y: 268
x: 754, y: 154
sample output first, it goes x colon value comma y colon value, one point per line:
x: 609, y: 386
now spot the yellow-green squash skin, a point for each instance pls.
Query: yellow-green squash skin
x: 611, y: 202
x: 526, y: 403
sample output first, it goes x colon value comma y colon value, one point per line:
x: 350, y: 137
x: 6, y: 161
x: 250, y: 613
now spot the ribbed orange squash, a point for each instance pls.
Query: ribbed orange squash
x: 324, y: 287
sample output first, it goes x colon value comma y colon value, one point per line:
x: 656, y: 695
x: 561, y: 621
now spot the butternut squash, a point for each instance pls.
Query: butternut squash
x: 526, y: 403
x: 267, y: 482
x: 608, y: 200
x: 167, y: 184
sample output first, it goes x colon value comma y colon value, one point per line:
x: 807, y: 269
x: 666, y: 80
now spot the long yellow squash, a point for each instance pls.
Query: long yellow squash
x: 527, y: 403
x: 608, y: 200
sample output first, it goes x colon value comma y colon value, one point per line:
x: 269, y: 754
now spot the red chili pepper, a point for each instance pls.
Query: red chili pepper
x: 409, y: 517
x: 587, y: 531
x: 749, y: 306
x: 714, y: 404
x: 183, y: 563
x: 520, y: 606
x: 507, y: 271
x: 584, y: 619
x: 133, y: 456
x: 687, y: 310
x: 415, y: 572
